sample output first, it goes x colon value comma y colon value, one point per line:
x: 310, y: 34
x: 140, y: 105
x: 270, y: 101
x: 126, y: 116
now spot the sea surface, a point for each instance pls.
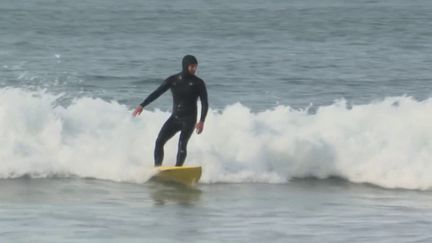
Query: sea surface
x: 319, y: 128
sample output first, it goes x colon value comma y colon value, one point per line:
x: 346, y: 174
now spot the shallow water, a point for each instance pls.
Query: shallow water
x: 307, y: 210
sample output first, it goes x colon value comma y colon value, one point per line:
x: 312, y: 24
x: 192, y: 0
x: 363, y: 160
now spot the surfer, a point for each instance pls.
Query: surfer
x: 186, y: 88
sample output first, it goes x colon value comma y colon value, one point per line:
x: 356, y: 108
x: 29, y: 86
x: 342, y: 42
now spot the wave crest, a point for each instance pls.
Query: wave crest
x: 386, y: 143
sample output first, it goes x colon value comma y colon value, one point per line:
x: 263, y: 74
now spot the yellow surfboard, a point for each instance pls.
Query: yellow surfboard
x: 186, y: 175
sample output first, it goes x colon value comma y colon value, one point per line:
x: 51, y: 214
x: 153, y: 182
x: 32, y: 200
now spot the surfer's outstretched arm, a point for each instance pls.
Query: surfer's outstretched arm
x: 158, y: 92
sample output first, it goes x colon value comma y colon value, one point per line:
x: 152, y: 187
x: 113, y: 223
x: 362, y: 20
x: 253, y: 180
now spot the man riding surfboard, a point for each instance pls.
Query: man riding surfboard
x: 186, y: 88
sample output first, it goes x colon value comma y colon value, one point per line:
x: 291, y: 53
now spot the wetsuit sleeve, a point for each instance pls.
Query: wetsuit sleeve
x: 204, y: 102
x: 158, y: 92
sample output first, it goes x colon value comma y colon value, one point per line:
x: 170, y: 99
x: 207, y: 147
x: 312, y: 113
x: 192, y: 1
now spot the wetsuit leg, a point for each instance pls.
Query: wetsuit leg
x: 168, y: 130
x: 187, y: 129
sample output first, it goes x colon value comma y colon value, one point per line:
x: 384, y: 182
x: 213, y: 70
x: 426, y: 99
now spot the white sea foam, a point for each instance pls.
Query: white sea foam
x: 386, y: 143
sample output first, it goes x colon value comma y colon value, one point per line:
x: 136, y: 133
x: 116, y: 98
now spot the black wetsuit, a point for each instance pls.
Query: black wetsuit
x: 186, y: 89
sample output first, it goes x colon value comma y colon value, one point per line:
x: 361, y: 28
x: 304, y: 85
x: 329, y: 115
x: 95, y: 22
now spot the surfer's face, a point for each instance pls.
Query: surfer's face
x: 192, y: 68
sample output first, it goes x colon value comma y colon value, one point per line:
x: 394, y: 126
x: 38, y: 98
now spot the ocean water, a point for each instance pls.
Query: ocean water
x: 319, y: 128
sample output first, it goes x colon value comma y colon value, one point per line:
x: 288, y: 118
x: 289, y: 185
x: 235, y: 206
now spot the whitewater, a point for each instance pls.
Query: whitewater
x: 386, y: 142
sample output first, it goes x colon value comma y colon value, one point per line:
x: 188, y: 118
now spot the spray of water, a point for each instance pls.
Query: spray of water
x: 386, y: 143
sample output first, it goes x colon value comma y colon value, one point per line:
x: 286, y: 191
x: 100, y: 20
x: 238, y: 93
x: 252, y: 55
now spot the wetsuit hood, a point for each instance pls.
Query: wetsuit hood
x: 188, y: 60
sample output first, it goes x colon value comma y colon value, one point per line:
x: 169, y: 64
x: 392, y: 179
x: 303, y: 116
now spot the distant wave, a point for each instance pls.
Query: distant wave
x: 387, y: 143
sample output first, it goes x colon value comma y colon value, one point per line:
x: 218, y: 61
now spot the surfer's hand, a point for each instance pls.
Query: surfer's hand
x: 137, y: 110
x: 199, y: 127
